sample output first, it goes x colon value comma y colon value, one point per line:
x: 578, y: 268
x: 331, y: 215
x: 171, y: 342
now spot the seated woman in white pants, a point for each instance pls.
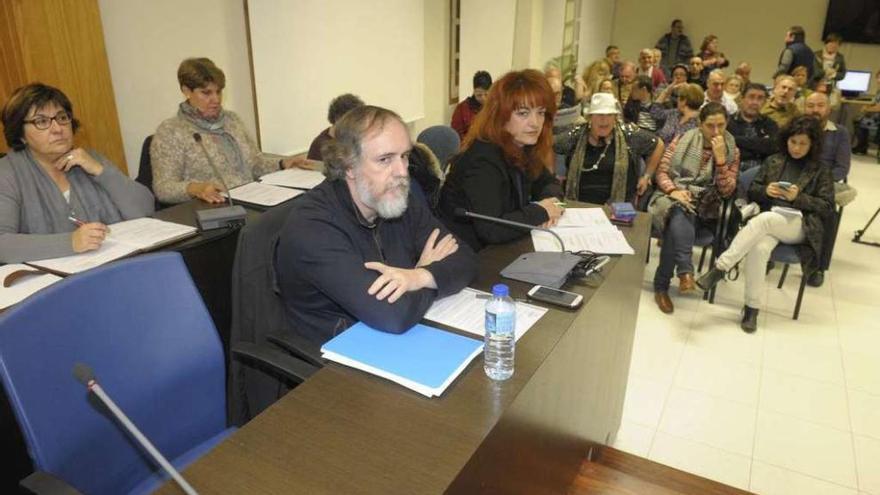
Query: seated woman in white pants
x: 796, y: 194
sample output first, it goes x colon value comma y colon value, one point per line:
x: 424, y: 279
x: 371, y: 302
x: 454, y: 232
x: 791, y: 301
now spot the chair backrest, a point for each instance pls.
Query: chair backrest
x: 145, y: 169
x: 144, y: 329
x: 257, y: 310
x: 443, y: 142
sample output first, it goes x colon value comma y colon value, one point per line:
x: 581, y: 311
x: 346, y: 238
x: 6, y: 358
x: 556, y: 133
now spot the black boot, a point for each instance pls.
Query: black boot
x: 750, y: 319
x: 816, y: 279
x: 709, y: 279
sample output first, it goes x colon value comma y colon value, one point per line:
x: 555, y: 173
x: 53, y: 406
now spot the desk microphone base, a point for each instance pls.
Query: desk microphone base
x: 218, y: 218
x: 542, y: 268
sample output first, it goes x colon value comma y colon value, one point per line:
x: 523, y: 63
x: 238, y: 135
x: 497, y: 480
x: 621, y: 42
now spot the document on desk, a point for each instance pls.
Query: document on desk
x: 585, y: 217
x: 125, y: 238
x: 424, y: 359
x: 257, y: 193
x: 20, y: 281
x: 296, y: 178
x: 595, y: 240
x: 466, y: 311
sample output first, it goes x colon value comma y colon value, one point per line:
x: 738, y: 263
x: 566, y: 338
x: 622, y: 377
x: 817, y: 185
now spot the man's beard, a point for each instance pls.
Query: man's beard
x: 385, y: 207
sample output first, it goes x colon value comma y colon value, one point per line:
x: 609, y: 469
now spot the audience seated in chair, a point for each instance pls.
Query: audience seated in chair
x: 467, y: 109
x: 780, y: 106
x: 755, y: 134
x: 338, y: 107
x: 373, y: 252
x: 697, y: 172
x: 504, y: 169
x: 604, y: 157
x: 801, y: 186
x: 181, y: 167
x: 56, y: 199
x: 836, y: 155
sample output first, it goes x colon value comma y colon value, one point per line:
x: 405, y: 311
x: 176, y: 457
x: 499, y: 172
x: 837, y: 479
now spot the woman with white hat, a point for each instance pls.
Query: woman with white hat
x: 604, y: 156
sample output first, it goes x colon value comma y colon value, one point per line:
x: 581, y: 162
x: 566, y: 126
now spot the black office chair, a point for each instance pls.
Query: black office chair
x: 267, y: 357
x: 145, y: 171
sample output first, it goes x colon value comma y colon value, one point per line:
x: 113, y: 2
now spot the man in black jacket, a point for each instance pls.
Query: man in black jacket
x: 755, y: 134
x: 360, y: 247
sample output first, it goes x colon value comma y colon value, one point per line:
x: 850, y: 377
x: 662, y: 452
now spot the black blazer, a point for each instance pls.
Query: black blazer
x: 480, y: 180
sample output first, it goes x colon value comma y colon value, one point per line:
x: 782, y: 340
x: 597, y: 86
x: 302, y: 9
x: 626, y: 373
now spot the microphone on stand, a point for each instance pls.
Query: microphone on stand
x: 227, y: 216
x: 84, y: 374
x: 461, y: 212
x: 540, y: 267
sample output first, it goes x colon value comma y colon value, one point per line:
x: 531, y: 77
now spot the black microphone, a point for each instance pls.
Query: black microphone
x: 217, y: 174
x: 542, y: 268
x: 84, y: 374
x: 215, y: 218
x: 461, y: 212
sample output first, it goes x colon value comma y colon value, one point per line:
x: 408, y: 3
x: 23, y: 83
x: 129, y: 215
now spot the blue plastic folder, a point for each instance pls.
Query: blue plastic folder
x: 424, y: 359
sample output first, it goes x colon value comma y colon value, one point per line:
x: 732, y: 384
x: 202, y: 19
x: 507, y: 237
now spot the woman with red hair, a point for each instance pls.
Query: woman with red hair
x: 504, y: 168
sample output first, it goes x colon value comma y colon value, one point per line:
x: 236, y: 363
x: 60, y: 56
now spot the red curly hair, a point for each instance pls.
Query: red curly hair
x: 517, y: 89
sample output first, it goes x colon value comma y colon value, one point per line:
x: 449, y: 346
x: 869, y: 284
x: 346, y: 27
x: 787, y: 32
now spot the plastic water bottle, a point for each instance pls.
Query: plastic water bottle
x: 498, y: 351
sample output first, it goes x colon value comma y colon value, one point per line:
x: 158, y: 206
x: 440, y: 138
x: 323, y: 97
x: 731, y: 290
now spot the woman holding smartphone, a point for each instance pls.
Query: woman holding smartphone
x: 796, y: 195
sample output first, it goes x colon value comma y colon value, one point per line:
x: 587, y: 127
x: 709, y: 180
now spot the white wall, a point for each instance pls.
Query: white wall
x: 147, y: 40
x: 487, y: 35
x: 597, y: 17
x: 749, y: 30
x: 308, y: 52
x: 436, y: 66
x: 551, y: 30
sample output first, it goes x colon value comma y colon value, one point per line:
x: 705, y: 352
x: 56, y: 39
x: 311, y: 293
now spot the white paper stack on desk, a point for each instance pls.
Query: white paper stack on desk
x: 584, y: 229
x: 125, y: 238
x: 294, y: 177
x: 18, y: 282
x: 257, y: 193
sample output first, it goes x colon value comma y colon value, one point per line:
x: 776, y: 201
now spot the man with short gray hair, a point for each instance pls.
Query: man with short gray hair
x: 360, y: 246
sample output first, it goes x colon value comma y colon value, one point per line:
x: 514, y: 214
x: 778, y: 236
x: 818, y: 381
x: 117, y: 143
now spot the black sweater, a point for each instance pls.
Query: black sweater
x: 320, y: 264
x: 481, y: 181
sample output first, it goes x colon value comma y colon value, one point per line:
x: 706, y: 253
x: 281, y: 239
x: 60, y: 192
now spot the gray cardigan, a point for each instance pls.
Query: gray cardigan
x: 22, y: 238
x: 178, y: 160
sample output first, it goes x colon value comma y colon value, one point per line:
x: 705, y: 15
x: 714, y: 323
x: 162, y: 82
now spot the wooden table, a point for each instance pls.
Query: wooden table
x: 345, y: 431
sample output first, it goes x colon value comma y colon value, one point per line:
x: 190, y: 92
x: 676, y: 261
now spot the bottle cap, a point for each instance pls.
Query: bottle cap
x: 500, y: 290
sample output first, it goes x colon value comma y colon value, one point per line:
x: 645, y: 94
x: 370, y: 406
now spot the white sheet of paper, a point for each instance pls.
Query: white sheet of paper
x: 787, y: 212
x: 584, y: 217
x: 24, y: 287
x: 599, y: 241
x: 125, y: 238
x: 263, y: 194
x: 296, y: 178
x: 465, y: 311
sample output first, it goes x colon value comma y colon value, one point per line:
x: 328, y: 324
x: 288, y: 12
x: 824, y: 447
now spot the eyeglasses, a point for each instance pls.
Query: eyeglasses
x: 42, y: 122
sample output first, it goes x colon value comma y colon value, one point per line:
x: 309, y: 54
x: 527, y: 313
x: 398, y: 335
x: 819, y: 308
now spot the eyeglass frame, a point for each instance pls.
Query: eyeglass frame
x: 56, y: 118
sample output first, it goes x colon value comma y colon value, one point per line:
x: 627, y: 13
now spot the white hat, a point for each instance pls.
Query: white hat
x: 603, y: 104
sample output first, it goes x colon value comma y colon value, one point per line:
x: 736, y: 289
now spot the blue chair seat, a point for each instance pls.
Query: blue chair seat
x: 785, y: 253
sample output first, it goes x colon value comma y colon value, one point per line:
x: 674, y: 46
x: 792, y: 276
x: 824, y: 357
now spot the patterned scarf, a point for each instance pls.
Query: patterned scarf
x: 228, y: 144
x: 621, y: 165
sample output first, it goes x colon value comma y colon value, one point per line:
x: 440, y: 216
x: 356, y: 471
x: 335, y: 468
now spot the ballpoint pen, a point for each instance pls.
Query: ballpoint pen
x: 79, y: 223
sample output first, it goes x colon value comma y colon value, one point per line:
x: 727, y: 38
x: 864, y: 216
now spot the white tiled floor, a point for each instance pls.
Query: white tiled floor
x: 791, y: 409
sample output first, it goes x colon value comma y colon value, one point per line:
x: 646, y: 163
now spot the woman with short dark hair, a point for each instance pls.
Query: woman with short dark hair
x: 56, y: 199
x: 697, y: 172
x: 682, y: 118
x: 181, y: 166
x: 504, y: 167
x: 796, y: 194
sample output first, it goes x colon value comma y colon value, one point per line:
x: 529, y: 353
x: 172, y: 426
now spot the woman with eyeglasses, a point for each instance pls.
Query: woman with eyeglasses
x: 56, y: 199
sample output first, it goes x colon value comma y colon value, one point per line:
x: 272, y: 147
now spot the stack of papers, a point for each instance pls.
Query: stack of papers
x: 23, y: 284
x: 584, y: 229
x: 466, y: 311
x: 257, y: 193
x: 125, y: 238
x: 296, y: 178
x: 424, y: 359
